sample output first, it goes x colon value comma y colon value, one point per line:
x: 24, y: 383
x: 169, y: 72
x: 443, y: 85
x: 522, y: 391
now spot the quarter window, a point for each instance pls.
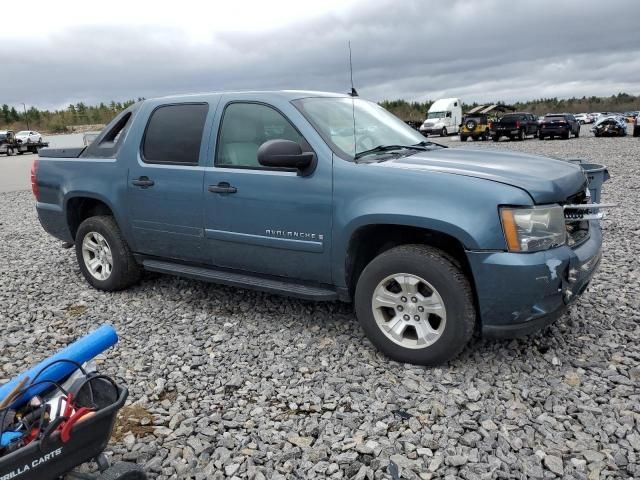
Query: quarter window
x: 246, y: 126
x: 174, y: 134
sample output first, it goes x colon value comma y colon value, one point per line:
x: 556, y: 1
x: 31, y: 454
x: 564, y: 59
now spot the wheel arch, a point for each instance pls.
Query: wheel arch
x: 80, y: 206
x: 368, y: 241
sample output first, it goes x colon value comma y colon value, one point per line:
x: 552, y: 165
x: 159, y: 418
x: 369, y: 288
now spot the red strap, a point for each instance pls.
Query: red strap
x: 65, y: 434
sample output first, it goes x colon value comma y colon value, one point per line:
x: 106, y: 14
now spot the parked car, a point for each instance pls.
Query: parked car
x: 561, y: 125
x: 582, y: 118
x: 630, y: 117
x: 269, y: 190
x: 28, y: 136
x: 611, y: 126
x: 443, y: 117
x: 636, y: 127
x: 514, y: 126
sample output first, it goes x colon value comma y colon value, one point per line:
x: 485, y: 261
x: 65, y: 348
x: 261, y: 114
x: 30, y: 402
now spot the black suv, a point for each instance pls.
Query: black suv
x: 559, y: 125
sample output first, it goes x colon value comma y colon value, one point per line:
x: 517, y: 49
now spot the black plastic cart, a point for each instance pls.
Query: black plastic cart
x: 52, y: 459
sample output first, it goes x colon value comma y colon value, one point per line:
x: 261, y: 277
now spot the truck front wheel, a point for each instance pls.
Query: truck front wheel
x: 104, y: 256
x: 415, y: 305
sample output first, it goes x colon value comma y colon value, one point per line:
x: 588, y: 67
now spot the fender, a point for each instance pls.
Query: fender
x: 424, y: 201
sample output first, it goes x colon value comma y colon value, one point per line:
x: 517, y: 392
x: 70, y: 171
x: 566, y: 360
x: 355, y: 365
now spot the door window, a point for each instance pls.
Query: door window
x: 174, y: 134
x: 246, y: 126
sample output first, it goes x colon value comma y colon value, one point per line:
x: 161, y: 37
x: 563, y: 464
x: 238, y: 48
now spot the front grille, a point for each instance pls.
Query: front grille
x: 577, y: 228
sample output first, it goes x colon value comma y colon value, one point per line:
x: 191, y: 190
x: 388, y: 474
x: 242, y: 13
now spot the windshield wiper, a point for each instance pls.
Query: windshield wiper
x: 426, y: 143
x: 388, y: 148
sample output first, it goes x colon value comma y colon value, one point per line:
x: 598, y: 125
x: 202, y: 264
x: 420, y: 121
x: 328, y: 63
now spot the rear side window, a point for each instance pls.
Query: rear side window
x: 108, y: 141
x: 174, y: 134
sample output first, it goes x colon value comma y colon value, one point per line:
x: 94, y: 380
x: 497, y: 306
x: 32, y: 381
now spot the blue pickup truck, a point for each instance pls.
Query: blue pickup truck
x: 326, y: 197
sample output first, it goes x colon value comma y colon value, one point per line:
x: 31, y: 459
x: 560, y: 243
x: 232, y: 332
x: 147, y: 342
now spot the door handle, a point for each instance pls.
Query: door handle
x: 222, y: 187
x: 143, y: 182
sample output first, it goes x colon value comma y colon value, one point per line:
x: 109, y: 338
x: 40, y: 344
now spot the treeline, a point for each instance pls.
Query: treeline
x: 60, y: 121
x: 416, y: 111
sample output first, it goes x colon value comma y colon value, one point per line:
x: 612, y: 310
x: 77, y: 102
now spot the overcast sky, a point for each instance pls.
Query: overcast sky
x: 56, y: 53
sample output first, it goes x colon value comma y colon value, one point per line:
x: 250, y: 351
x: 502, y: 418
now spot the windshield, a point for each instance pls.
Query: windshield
x: 334, y: 119
x: 3, y: 136
x: 23, y: 132
x: 436, y: 115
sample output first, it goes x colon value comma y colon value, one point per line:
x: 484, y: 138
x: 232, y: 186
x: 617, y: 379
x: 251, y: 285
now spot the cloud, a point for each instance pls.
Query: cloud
x: 415, y: 50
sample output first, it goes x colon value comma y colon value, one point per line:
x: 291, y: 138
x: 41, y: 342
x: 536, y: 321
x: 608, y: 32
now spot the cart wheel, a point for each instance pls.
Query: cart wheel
x: 123, y: 471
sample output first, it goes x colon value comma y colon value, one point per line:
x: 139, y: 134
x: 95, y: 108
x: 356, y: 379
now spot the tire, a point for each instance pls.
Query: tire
x: 463, y: 138
x: 495, y: 138
x: 521, y: 135
x: 123, y: 471
x: 475, y: 138
x: 435, y: 270
x: 577, y: 133
x: 540, y: 137
x: 443, y: 132
x: 565, y: 136
x: 636, y: 131
x: 102, y: 233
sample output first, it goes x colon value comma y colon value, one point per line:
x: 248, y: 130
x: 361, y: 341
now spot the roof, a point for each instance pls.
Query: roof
x: 287, y: 94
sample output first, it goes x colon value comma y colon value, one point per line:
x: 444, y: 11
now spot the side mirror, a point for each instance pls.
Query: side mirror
x: 281, y: 153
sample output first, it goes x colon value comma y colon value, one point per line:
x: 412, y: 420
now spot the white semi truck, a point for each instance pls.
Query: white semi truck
x: 443, y: 118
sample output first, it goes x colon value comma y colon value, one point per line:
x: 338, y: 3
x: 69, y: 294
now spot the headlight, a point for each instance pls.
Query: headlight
x: 533, y: 229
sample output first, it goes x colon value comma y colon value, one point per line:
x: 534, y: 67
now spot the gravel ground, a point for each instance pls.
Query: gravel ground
x: 232, y: 383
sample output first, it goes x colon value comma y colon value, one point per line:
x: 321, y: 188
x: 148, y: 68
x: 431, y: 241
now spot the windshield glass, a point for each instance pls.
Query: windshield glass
x: 334, y: 119
x: 23, y: 132
x: 436, y: 114
x: 3, y: 136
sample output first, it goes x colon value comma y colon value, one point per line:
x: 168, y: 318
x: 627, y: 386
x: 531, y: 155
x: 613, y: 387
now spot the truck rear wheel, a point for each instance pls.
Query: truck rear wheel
x: 104, y: 256
x: 415, y: 305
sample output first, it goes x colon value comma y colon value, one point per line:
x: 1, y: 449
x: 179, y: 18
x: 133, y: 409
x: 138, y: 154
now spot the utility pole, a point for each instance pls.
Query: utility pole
x: 25, y: 115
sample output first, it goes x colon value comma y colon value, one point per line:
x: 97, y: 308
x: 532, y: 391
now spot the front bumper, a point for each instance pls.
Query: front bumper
x: 519, y: 293
x: 430, y: 130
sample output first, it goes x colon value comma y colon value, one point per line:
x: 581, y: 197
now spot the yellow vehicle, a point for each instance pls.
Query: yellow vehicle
x: 475, y: 123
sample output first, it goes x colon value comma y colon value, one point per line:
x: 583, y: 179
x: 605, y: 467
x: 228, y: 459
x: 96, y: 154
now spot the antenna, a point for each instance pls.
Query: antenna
x: 353, y: 90
x: 353, y: 102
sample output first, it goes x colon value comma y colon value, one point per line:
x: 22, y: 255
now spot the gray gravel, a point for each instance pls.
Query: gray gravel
x: 228, y: 383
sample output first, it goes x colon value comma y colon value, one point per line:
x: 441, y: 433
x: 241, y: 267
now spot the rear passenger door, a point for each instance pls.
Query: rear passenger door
x: 165, y: 182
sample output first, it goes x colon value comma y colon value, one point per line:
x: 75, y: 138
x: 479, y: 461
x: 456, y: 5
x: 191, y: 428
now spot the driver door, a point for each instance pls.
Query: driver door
x: 266, y: 220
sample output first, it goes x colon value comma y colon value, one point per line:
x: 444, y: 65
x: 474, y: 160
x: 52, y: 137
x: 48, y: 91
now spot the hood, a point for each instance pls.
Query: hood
x: 546, y: 180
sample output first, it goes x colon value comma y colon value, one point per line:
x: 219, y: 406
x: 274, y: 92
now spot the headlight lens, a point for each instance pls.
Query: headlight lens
x: 533, y: 229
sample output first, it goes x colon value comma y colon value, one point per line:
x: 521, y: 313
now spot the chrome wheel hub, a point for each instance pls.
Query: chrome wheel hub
x: 97, y: 257
x: 409, y: 310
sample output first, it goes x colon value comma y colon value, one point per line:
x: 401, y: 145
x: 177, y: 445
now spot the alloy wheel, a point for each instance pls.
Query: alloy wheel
x: 409, y: 310
x: 97, y: 256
